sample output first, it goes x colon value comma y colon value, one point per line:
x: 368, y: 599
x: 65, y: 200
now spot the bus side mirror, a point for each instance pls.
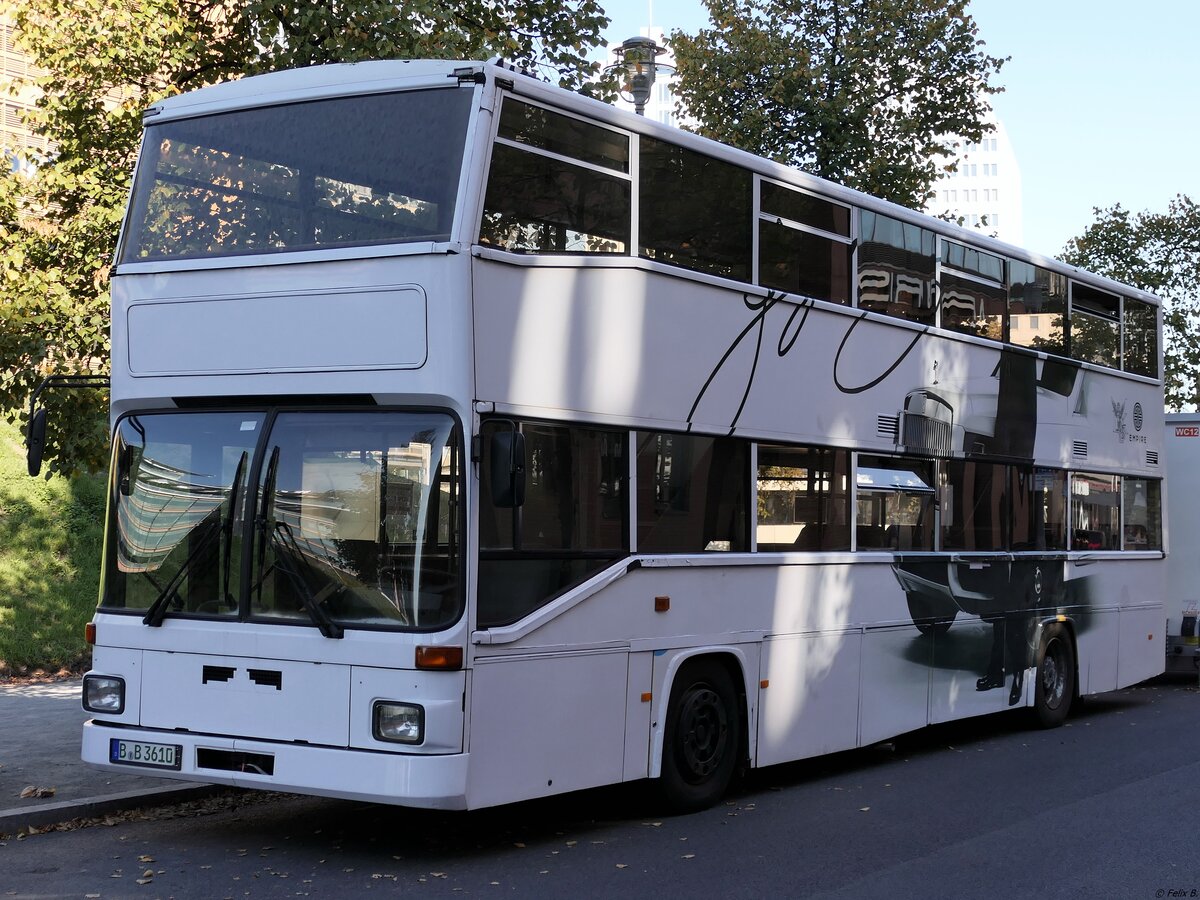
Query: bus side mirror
x: 35, y: 441
x: 507, y: 469
x: 127, y: 469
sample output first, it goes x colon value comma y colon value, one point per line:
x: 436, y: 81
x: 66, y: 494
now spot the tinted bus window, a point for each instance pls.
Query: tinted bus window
x: 694, y: 211
x: 1095, y: 326
x: 1039, y: 508
x: 803, y: 498
x: 349, y: 171
x: 1141, y: 338
x: 537, y: 203
x: 1037, y: 308
x: 896, y: 266
x: 804, y: 263
x: 895, y: 505
x: 693, y: 493
x: 573, y: 522
x: 1095, y: 512
x: 533, y: 126
x: 1142, y: 514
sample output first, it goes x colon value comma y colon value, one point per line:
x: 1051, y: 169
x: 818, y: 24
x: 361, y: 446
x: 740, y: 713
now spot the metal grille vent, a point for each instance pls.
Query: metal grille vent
x: 1152, y: 457
x: 933, y: 436
x: 1079, y: 449
x: 887, y: 427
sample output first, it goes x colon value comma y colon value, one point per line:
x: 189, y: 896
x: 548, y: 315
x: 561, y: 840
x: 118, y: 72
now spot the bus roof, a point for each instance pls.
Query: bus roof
x: 308, y: 83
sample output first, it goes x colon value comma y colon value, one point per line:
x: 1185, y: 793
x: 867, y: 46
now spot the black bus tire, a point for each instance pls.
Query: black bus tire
x: 702, y: 737
x: 1054, y: 677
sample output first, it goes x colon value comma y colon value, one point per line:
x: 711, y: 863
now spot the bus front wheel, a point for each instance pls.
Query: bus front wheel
x: 1055, y: 674
x: 702, y: 737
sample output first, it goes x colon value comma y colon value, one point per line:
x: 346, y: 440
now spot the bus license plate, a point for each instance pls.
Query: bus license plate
x: 141, y: 753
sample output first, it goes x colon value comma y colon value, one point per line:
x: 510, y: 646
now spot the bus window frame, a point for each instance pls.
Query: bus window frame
x: 850, y: 239
x: 494, y: 138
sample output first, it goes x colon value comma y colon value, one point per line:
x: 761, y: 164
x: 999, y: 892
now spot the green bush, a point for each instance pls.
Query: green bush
x: 51, y: 539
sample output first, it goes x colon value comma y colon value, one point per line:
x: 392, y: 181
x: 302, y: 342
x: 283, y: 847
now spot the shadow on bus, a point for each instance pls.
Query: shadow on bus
x: 958, y: 735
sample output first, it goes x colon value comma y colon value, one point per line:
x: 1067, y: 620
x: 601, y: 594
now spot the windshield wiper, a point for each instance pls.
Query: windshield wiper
x: 227, y: 528
x: 158, y: 609
x: 287, y: 551
x: 224, y: 532
x: 260, y: 523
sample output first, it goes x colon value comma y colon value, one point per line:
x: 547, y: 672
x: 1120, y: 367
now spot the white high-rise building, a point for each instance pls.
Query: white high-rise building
x: 985, y: 191
x: 17, y: 141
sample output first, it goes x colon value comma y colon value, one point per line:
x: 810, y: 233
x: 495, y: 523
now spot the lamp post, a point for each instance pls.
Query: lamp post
x: 638, y: 70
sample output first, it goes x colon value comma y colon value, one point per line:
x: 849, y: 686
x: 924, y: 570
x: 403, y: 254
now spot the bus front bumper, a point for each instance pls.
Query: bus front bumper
x: 427, y: 782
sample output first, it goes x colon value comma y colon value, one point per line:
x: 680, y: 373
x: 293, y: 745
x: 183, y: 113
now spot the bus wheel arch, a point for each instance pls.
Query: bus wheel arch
x: 1055, y: 674
x: 705, y: 733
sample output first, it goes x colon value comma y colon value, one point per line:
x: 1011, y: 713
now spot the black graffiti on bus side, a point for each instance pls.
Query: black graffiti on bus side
x: 760, y: 306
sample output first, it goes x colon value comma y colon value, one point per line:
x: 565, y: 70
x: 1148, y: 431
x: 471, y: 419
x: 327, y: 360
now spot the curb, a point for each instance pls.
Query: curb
x: 14, y: 819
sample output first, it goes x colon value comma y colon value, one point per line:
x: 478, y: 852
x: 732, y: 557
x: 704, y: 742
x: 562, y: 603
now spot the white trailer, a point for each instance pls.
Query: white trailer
x: 1182, y: 447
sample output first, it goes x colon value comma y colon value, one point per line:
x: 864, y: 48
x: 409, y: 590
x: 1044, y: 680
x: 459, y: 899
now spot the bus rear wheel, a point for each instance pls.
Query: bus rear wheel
x: 702, y: 737
x: 1055, y: 674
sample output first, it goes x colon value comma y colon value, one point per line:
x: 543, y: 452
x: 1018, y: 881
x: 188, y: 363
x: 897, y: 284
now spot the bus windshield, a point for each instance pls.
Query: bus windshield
x: 354, y: 522
x: 350, y: 171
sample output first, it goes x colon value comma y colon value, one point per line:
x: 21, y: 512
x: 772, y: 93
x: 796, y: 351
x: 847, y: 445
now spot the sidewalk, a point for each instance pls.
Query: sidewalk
x: 40, y: 728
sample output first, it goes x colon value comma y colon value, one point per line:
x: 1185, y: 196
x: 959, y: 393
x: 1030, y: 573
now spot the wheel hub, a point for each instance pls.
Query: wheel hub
x: 1053, y: 675
x: 704, y: 729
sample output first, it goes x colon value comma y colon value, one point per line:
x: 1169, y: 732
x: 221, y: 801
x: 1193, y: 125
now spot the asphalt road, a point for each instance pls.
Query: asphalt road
x: 1102, y: 807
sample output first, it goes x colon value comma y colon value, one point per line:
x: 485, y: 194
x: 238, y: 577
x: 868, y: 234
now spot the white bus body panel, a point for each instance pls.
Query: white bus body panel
x: 432, y: 782
x: 547, y: 724
x: 834, y: 677
x: 287, y: 693
x: 344, y: 329
x: 1182, y: 450
x: 650, y: 350
x: 394, y: 328
x: 811, y: 678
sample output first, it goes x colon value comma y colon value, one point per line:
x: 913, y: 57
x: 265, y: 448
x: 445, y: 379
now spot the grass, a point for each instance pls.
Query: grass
x: 51, y: 537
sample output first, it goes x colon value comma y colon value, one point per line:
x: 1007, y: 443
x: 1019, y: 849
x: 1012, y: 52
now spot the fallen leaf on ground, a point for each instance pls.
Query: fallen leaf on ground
x: 36, y: 791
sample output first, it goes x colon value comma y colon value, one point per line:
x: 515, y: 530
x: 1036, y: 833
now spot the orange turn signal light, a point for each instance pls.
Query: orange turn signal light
x: 450, y: 658
x: 89, y: 633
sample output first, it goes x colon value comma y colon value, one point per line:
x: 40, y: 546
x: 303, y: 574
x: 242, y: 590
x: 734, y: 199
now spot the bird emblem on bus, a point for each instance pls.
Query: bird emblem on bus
x: 1119, y: 414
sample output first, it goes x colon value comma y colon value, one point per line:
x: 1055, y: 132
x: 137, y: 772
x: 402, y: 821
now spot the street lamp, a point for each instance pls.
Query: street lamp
x: 638, y: 70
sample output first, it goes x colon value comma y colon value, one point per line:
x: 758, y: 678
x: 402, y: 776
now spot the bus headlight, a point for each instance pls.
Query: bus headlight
x: 103, y: 694
x: 400, y: 723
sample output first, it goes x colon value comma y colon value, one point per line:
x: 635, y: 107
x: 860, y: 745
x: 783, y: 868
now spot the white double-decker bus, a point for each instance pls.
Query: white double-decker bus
x: 475, y: 441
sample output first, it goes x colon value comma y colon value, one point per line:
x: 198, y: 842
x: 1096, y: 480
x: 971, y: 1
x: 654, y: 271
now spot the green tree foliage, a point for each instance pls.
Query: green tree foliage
x: 105, y: 61
x: 867, y: 93
x: 1158, y: 252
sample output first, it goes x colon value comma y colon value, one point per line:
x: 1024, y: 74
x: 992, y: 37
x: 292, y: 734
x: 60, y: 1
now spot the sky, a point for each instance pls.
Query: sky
x: 1100, y: 100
